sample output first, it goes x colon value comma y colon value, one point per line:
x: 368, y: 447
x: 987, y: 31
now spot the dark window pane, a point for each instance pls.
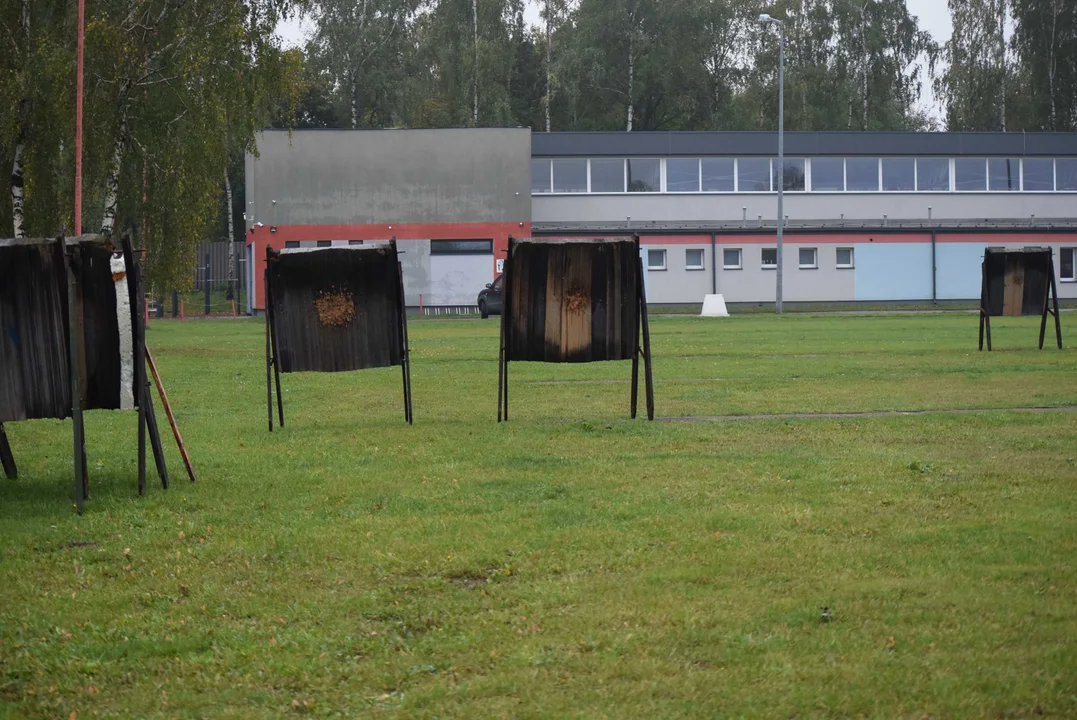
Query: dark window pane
x: 794, y: 175
x: 932, y: 174
x: 355, y: 242
x: 291, y: 244
x: 717, y: 174
x: 769, y: 257
x: 899, y: 174
x: 1003, y: 174
x: 1039, y: 175
x: 325, y: 243
x: 807, y: 257
x: 731, y: 258
x: 970, y: 175
x: 461, y: 247
x: 827, y: 174
x: 656, y: 259
x: 644, y: 175
x: 540, y: 176
x: 845, y: 257
x: 682, y: 175
x: 753, y: 175
x: 862, y: 174
x: 607, y: 175
x: 1066, y: 170
x: 693, y: 259
x: 570, y: 175
x: 1066, y: 262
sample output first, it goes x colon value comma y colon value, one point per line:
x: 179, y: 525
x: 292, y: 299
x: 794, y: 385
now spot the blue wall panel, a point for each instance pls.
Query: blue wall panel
x: 959, y: 270
x: 893, y: 271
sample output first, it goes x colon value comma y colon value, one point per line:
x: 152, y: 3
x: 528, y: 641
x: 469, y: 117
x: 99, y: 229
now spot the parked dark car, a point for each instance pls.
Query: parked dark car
x: 490, y: 298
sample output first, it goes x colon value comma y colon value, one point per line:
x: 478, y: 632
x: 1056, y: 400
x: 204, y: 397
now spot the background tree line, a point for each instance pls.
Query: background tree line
x: 176, y: 90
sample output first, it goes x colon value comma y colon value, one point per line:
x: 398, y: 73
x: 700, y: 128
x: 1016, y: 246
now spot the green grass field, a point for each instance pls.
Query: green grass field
x: 569, y: 563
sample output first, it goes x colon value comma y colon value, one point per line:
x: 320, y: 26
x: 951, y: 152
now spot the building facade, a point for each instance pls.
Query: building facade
x: 869, y: 216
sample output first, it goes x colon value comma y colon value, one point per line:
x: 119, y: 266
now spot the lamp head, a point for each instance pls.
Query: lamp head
x: 765, y: 18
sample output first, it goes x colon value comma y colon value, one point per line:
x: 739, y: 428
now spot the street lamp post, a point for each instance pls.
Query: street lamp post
x: 781, y: 153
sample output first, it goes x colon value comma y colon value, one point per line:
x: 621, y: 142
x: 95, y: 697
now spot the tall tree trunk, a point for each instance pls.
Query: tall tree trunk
x: 1002, y: 64
x: 631, y: 75
x: 475, y: 79
x: 18, y: 184
x: 1052, y: 65
x: 549, y: 63
x: 231, y: 295
x: 864, y: 65
x: 112, y: 185
x: 354, y: 103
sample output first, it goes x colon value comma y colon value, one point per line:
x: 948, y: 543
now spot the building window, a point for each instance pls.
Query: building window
x: 682, y: 175
x: 569, y: 175
x: 753, y: 175
x: 644, y: 175
x: 693, y: 259
x: 1066, y: 174
x: 291, y: 244
x: 769, y: 257
x: 828, y: 174
x: 809, y: 258
x: 1039, y: 175
x: 862, y: 174
x: 1067, y: 259
x: 656, y: 259
x: 899, y: 174
x: 845, y: 257
x: 970, y: 175
x: 355, y: 242
x: 718, y: 174
x: 325, y: 243
x: 540, y: 176
x: 461, y: 247
x: 793, y: 176
x: 731, y: 259
x: 1003, y: 174
x: 607, y: 175
x: 933, y: 175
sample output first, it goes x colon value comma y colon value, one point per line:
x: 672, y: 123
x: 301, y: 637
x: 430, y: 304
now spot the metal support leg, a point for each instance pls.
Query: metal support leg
x: 6, y: 458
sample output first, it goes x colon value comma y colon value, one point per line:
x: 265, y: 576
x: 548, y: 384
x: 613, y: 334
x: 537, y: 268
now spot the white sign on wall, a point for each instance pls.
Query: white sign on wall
x: 500, y: 265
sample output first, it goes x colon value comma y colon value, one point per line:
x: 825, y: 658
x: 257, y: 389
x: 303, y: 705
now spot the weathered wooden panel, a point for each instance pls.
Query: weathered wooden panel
x: 573, y: 300
x: 34, y: 356
x: 1017, y: 280
x: 336, y: 309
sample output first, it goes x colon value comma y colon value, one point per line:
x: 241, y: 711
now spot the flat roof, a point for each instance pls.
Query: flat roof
x: 799, y: 144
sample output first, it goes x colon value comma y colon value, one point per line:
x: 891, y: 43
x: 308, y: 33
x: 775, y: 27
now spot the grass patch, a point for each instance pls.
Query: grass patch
x: 569, y: 563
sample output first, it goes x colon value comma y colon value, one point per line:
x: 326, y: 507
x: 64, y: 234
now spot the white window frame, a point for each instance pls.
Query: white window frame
x: 702, y: 259
x: 665, y: 259
x: 852, y: 257
x: 740, y: 259
x: 764, y: 265
x: 1073, y: 265
x: 815, y: 262
x: 1054, y: 175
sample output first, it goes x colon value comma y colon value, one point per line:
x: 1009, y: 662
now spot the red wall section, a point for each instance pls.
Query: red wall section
x: 260, y: 237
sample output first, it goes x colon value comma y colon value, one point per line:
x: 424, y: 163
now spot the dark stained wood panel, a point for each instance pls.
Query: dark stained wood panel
x: 1017, y: 280
x: 336, y: 309
x: 572, y: 300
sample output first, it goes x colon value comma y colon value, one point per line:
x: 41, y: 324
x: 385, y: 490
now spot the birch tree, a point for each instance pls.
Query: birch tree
x: 1045, y: 44
x: 975, y: 82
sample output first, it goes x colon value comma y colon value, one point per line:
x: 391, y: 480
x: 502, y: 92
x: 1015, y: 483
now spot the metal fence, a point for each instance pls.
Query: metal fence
x: 209, y: 291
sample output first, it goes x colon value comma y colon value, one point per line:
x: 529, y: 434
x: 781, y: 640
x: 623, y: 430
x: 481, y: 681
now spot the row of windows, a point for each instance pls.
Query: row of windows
x: 822, y: 174
x: 437, y: 247
x: 733, y: 258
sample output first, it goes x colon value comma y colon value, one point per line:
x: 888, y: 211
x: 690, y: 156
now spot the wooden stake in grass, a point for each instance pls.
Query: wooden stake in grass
x: 171, y: 417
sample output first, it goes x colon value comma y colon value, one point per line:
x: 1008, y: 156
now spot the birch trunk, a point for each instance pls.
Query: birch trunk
x: 228, y: 236
x: 112, y: 186
x: 1002, y: 64
x: 549, y: 62
x: 475, y: 80
x: 1052, y: 66
x: 354, y: 104
x: 17, y: 192
x: 631, y: 75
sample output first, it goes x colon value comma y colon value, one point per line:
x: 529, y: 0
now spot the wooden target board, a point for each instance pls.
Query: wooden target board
x: 1018, y: 282
x: 575, y: 301
x: 72, y: 338
x: 334, y: 310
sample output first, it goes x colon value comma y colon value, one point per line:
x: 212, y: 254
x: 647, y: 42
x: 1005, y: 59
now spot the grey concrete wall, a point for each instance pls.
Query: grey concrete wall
x: 677, y: 284
x: 753, y: 283
x: 668, y: 207
x: 386, y: 176
x: 457, y: 279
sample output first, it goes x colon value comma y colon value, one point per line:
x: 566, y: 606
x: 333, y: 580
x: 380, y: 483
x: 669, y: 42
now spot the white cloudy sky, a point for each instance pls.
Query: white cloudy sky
x: 934, y: 17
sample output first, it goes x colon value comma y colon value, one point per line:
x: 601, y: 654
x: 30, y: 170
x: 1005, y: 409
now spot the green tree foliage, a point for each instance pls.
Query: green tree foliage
x: 975, y: 81
x: 1045, y: 44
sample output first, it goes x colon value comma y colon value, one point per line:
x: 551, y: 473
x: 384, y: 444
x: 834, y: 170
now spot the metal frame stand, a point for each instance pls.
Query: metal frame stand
x: 272, y: 356
x: 6, y: 458
x: 405, y: 354
x: 1050, y: 306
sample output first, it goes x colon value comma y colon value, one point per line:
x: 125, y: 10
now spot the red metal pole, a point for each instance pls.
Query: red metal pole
x: 78, y: 121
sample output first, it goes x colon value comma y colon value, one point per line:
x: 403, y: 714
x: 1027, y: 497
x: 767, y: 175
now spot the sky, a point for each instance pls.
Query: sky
x: 934, y: 17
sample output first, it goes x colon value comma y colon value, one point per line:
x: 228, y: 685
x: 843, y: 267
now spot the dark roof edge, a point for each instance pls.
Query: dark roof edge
x: 869, y: 144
